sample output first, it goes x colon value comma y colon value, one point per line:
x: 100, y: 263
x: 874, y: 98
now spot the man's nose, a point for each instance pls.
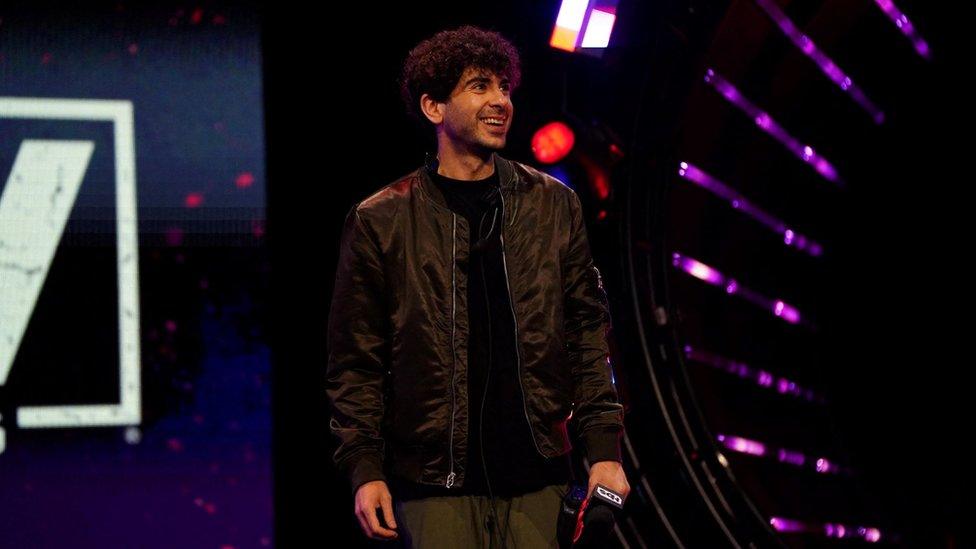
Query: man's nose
x: 500, y: 97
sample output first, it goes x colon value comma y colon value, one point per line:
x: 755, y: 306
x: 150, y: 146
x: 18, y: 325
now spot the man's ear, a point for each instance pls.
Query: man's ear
x: 433, y: 110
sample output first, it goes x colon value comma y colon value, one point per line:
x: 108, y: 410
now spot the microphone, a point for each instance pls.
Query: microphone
x: 587, y: 522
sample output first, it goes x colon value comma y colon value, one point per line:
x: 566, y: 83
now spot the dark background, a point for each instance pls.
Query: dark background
x: 893, y: 298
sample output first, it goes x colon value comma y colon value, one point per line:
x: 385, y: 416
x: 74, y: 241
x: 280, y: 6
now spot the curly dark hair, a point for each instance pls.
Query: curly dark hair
x: 435, y: 66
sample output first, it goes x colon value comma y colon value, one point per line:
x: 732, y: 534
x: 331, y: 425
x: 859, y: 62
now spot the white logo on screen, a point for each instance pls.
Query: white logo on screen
x: 34, y: 208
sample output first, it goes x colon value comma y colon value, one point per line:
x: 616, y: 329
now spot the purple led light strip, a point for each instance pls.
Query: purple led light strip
x: 707, y: 274
x: 760, y: 377
x: 901, y: 21
x: 751, y: 447
x: 830, y: 529
x: 827, y: 66
x: 737, y: 201
x: 772, y: 128
x: 787, y: 526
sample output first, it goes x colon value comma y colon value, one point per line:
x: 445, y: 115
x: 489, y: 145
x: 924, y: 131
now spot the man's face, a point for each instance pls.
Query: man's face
x: 478, y: 113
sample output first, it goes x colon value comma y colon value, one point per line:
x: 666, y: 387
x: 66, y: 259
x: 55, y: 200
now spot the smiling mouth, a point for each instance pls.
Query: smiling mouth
x: 494, y: 121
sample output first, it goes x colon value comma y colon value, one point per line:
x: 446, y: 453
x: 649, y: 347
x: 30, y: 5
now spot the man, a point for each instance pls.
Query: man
x: 468, y: 325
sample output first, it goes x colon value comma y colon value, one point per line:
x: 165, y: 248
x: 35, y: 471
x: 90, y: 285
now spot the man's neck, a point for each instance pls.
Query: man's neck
x: 464, y: 166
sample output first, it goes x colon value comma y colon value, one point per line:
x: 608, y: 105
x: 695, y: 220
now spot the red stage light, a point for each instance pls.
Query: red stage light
x: 552, y: 142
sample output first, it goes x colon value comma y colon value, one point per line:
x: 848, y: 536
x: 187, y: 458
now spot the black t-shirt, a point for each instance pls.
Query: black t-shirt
x: 495, y: 405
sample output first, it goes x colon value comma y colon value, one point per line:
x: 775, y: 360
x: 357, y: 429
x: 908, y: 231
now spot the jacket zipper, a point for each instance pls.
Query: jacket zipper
x: 518, y: 352
x: 450, y: 449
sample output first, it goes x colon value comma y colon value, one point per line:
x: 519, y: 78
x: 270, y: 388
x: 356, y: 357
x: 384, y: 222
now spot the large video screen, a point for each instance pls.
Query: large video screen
x: 134, y: 363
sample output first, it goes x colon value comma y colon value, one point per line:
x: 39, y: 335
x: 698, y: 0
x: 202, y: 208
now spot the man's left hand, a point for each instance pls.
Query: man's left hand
x: 610, y: 474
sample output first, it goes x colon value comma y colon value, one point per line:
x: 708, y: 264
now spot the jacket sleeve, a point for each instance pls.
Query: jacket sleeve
x: 358, y: 348
x: 586, y: 314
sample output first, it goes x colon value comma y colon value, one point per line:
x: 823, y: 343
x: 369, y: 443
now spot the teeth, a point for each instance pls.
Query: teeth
x: 493, y: 121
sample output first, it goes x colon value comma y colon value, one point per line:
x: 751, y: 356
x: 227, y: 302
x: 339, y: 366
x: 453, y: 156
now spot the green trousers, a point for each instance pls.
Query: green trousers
x: 525, y: 521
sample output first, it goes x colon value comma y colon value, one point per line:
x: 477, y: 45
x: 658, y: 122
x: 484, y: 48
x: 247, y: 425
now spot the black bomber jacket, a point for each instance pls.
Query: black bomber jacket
x: 398, y: 330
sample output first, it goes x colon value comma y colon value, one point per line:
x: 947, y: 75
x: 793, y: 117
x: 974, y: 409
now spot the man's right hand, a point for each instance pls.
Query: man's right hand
x: 369, y: 496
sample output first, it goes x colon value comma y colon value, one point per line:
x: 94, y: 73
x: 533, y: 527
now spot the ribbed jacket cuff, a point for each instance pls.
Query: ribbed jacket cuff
x: 602, y: 444
x: 365, y: 468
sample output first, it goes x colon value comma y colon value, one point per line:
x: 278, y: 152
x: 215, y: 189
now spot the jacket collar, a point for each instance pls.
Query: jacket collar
x: 508, y: 179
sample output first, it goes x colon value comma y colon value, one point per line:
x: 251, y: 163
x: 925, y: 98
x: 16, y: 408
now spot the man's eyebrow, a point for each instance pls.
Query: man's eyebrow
x: 477, y: 79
